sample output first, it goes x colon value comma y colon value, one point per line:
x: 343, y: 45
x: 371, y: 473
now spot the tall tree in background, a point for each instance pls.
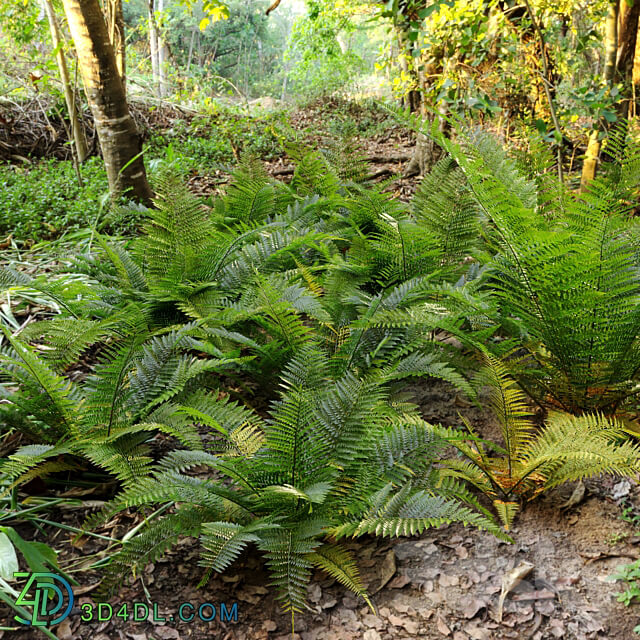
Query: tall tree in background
x: 77, y: 130
x: 627, y: 44
x: 119, y: 140
x: 158, y: 49
x: 610, y: 58
x: 153, y: 44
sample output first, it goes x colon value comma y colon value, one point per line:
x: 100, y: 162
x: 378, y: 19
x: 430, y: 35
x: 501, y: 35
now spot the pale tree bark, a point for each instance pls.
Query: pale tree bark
x: 611, y: 49
x: 117, y: 133
x: 77, y: 130
x: 163, y: 58
x: 635, y: 77
x: 153, y: 46
x: 190, y: 57
x: 115, y: 25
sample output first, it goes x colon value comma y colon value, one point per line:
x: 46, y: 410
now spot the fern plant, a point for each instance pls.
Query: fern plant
x: 531, y: 460
x: 564, y: 269
x: 108, y: 418
x: 335, y: 457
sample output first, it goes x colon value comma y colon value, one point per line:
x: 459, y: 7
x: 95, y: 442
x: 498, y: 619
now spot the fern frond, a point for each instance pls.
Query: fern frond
x: 340, y: 564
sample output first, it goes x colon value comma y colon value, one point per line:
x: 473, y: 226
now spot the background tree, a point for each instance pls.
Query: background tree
x: 77, y: 130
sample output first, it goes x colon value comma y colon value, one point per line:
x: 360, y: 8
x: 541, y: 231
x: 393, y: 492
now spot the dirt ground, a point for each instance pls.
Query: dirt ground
x: 445, y: 584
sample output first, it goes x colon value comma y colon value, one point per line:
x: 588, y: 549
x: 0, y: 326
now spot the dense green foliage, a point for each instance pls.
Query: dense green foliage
x: 45, y: 200
x: 233, y: 366
x: 316, y: 299
x: 563, y: 273
x: 335, y: 457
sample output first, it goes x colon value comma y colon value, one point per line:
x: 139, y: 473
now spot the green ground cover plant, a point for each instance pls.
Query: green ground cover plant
x: 43, y: 200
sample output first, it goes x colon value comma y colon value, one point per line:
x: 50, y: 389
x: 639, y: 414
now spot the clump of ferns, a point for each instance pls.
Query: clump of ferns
x: 109, y: 417
x: 336, y: 457
x: 532, y: 459
x: 563, y: 269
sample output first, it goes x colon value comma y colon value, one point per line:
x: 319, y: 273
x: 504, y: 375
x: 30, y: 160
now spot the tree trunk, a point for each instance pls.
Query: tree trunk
x: 611, y: 49
x: 427, y: 152
x: 153, y: 47
x: 548, y: 85
x: 163, y: 58
x: 115, y: 25
x: 119, y: 140
x: 193, y: 37
x: 77, y: 130
x: 627, y: 39
x: 635, y: 77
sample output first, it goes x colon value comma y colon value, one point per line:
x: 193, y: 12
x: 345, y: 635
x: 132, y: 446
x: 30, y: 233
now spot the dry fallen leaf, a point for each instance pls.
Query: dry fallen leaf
x: 79, y: 591
x: 396, y: 621
x: 575, y: 498
x: 399, y: 581
x: 462, y: 552
x: 472, y: 607
x: 510, y: 580
x: 448, y: 581
x: 557, y: 628
x: 166, y: 633
x: 63, y: 630
x: 442, y: 626
x: 315, y: 593
x: 542, y: 594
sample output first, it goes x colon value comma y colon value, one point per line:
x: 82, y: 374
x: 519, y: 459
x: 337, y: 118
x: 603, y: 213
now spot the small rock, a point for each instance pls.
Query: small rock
x: 371, y: 634
x: 269, y: 625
